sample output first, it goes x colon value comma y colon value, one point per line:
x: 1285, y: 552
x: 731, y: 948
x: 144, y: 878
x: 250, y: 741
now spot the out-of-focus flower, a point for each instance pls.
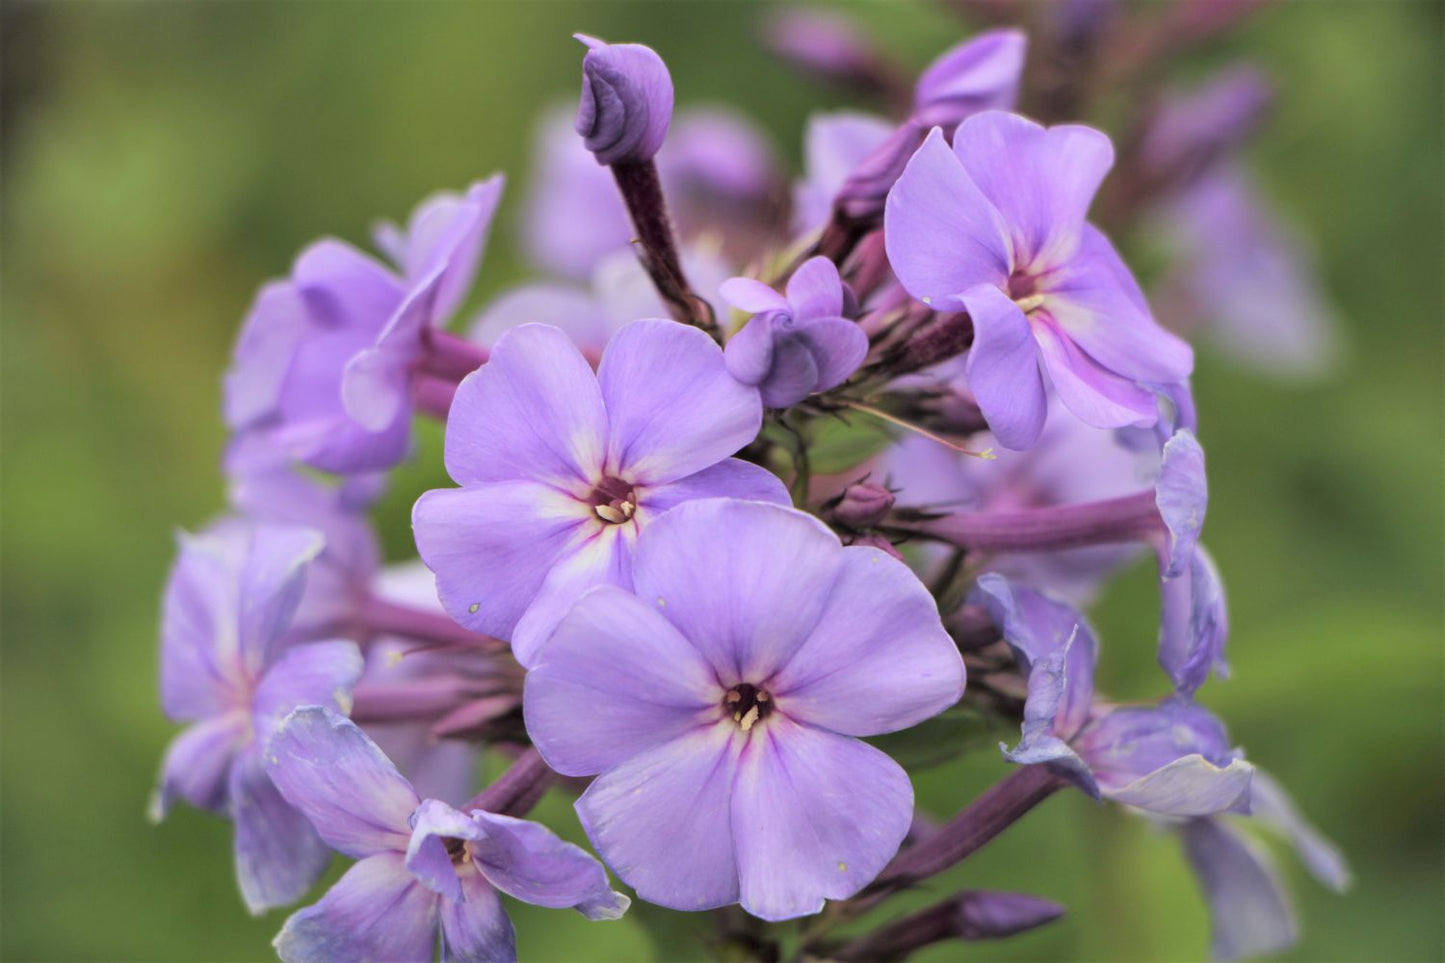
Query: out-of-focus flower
x: 323, y: 369
x: 626, y: 103
x: 561, y: 469
x: 996, y: 227
x: 834, y: 146
x: 720, y: 704
x: 798, y: 344
x: 229, y: 601
x: 423, y: 868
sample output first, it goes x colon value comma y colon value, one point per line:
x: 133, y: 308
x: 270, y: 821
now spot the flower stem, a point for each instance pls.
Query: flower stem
x: 1127, y: 519
x: 517, y: 790
x: 642, y: 192
x: 380, y: 617
x: 434, y: 395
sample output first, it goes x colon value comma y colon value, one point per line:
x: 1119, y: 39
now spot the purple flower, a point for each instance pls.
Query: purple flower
x: 795, y: 345
x: 423, y: 867
x: 230, y: 599
x: 323, y: 366
x: 560, y: 469
x: 626, y: 101
x: 1192, y: 131
x: 1173, y: 759
x: 834, y: 146
x: 721, y: 702
x: 996, y: 227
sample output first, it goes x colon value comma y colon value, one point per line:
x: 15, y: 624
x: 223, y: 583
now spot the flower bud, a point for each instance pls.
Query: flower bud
x: 626, y: 103
x: 862, y: 505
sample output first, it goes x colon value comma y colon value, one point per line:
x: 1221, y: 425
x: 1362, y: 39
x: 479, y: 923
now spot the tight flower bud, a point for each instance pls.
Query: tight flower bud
x: 862, y: 505
x: 626, y: 102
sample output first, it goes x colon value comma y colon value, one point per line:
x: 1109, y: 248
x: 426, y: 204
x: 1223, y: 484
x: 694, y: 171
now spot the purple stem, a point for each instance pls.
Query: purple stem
x: 405, y: 701
x: 1127, y: 519
x: 969, y: 915
x: 450, y: 357
x: 642, y: 192
x: 434, y: 395
x: 380, y: 617
x: 518, y: 789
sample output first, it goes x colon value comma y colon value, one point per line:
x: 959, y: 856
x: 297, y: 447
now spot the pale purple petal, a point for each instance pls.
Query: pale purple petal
x: 749, y: 353
x: 834, y: 145
x: 672, y: 407
x: 1097, y: 303
x: 730, y: 478
x: 426, y: 852
x: 1193, y: 624
x: 574, y: 215
x: 1189, y: 786
x: 278, y: 854
x: 878, y: 659
x: 476, y: 928
x: 345, y: 289
x: 1003, y: 368
x: 942, y: 234
x: 745, y: 582
x: 1272, y: 806
x: 816, y: 816
x: 449, y: 234
x: 838, y: 347
x: 493, y: 546
x: 603, y: 558
x: 272, y: 577
x: 1249, y: 914
x: 198, y: 763
x: 1097, y: 397
x: 752, y: 296
x: 588, y: 323
x: 532, y: 412
x: 1182, y: 494
x: 327, y: 768
x: 615, y: 680
x: 979, y: 74
x: 314, y: 674
x: 662, y: 820
x: 1041, y: 181
x: 376, y: 383
x: 815, y: 290
x: 794, y: 371
x: 528, y: 862
x: 274, y: 327
x: 377, y: 911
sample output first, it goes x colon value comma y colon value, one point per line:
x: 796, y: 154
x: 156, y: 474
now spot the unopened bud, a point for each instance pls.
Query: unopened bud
x: 626, y: 104
x: 862, y: 506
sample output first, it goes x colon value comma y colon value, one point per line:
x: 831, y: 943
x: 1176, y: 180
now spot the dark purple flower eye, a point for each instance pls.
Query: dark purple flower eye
x: 626, y: 103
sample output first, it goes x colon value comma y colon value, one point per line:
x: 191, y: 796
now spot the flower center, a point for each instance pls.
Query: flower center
x: 456, y: 849
x: 613, y: 500
x: 748, y: 704
x: 1025, y: 288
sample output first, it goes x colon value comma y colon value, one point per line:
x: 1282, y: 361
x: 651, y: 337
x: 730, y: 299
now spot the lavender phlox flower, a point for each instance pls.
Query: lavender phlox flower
x: 979, y: 75
x: 996, y: 227
x: 561, y: 469
x: 324, y: 365
x: 1246, y: 279
x: 829, y: 45
x: 339, y: 579
x: 721, y: 702
x: 425, y: 871
x: 798, y: 344
x: 626, y: 103
x: 1173, y: 759
x: 224, y: 669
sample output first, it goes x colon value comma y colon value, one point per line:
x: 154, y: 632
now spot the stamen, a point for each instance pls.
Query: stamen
x: 613, y: 500
x: 748, y: 705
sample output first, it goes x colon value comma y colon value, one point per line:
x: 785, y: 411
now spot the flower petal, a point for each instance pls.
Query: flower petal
x: 815, y: 290
x: 532, y: 412
x: 528, y: 862
x: 1003, y: 368
x: 492, y: 547
x: 749, y: 353
x: 314, y: 674
x: 878, y: 659
x: 672, y: 407
x: 1189, y: 786
x: 662, y: 820
x: 793, y: 374
x: 278, y: 854
x: 752, y: 296
x: 603, y: 558
x: 476, y: 929
x: 1041, y: 181
x: 1182, y: 494
x: 327, y: 768
x: 838, y: 347
x: 375, y: 912
x: 816, y: 816
x: 1272, y: 806
x: 426, y: 852
x: 615, y: 680
x: 1193, y: 624
x: 198, y: 764
x: 1249, y: 914
x: 744, y: 582
x: 730, y: 478
x: 586, y: 322
x: 1095, y: 395
x: 941, y: 233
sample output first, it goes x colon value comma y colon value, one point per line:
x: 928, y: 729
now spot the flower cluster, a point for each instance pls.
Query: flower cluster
x: 726, y: 507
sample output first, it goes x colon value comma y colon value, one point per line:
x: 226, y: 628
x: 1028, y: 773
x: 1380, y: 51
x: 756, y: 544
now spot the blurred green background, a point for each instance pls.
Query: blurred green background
x: 161, y: 159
